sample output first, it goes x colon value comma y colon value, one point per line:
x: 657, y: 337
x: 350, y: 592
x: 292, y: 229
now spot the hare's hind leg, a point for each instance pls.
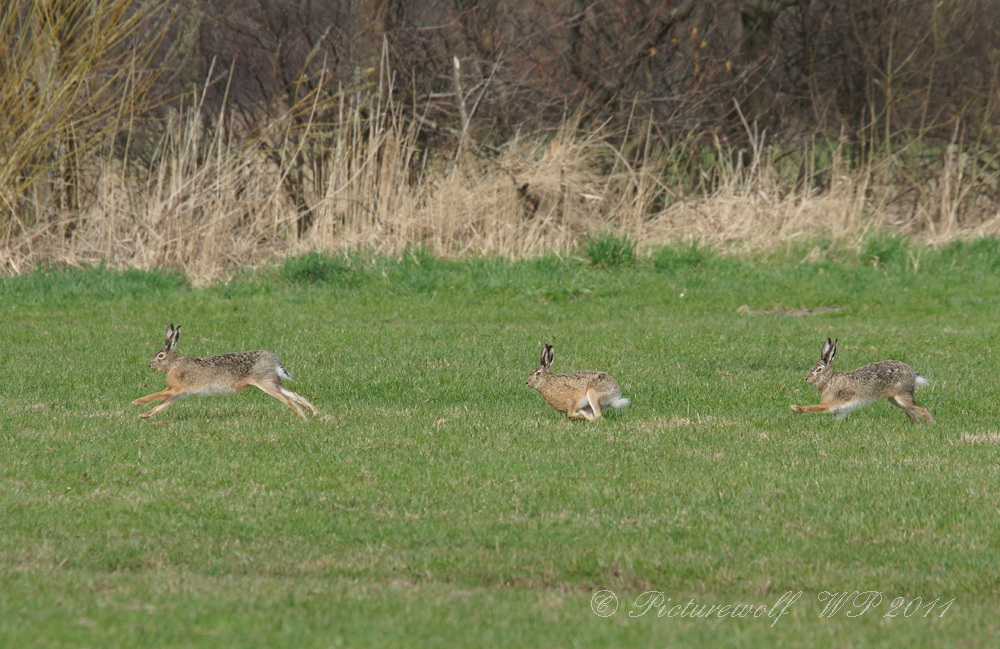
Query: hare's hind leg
x: 594, y: 397
x: 924, y: 413
x: 298, y: 398
x: 909, y: 406
x: 579, y: 409
x: 276, y: 390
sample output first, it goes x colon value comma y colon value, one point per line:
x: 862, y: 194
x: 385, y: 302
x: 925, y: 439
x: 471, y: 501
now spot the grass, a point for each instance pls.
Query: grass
x: 438, y: 502
x: 608, y: 251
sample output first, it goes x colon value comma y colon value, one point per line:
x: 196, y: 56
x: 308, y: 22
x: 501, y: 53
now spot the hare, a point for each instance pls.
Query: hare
x: 219, y: 375
x: 843, y: 392
x: 581, y: 395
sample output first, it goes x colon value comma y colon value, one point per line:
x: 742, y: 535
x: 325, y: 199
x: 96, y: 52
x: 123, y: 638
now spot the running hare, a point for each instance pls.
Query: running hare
x: 219, y: 375
x: 842, y: 392
x: 581, y: 395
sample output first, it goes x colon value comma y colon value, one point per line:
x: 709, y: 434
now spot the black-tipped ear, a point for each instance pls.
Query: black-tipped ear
x: 829, y: 350
x: 173, y: 335
x: 547, y: 355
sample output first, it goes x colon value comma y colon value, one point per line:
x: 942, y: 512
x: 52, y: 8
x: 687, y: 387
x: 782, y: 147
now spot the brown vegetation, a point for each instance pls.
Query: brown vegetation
x: 205, y: 135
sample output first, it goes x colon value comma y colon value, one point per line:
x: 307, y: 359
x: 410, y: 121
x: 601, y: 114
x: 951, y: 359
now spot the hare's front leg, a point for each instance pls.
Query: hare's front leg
x: 819, y: 407
x: 161, y: 407
x: 162, y: 394
x: 173, y: 392
x: 576, y: 412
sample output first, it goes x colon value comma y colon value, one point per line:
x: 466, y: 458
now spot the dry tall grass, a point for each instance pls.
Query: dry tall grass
x: 210, y: 206
x: 88, y: 174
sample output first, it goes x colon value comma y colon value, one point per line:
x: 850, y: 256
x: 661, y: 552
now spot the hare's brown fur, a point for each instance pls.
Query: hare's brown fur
x: 219, y: 375
x: 581, y: 395
x: 843, y: 392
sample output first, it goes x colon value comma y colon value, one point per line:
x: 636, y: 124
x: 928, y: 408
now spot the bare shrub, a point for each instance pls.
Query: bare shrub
x: 70, y: 73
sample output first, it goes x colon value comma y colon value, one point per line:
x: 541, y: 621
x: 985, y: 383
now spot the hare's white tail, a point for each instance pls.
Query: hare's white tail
x: 283, y: 373
x: 921, y: 381
x: 620, y: 402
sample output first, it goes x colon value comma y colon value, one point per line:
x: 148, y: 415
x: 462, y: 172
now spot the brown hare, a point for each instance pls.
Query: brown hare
x: 581, y: 395
x: 843, y: 392
x: 219, y: 375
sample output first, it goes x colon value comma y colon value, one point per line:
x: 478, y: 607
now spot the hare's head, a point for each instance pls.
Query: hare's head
x: 823, y: 370
x: 538, y: 377
x: 165, y: 357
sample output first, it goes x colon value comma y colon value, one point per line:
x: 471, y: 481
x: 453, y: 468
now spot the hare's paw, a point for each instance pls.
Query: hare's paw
x: 796, y: 408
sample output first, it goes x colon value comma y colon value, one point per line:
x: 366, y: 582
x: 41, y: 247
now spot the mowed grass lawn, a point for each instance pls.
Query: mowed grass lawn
x: 437, y: 501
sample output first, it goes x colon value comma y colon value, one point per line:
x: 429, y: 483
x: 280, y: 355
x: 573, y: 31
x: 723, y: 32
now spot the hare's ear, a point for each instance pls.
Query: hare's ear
x: 547, y: 355
x: 173, y: 335
x: 829, y: 351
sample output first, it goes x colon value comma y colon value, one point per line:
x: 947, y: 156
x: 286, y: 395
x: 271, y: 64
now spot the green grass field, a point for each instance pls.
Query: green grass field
x: 437, y: 501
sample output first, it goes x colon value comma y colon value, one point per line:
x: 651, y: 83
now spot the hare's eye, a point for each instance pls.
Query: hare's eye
x: 161, y: 355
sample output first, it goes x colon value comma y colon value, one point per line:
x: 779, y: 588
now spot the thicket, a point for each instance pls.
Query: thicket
x: 202, y: 135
